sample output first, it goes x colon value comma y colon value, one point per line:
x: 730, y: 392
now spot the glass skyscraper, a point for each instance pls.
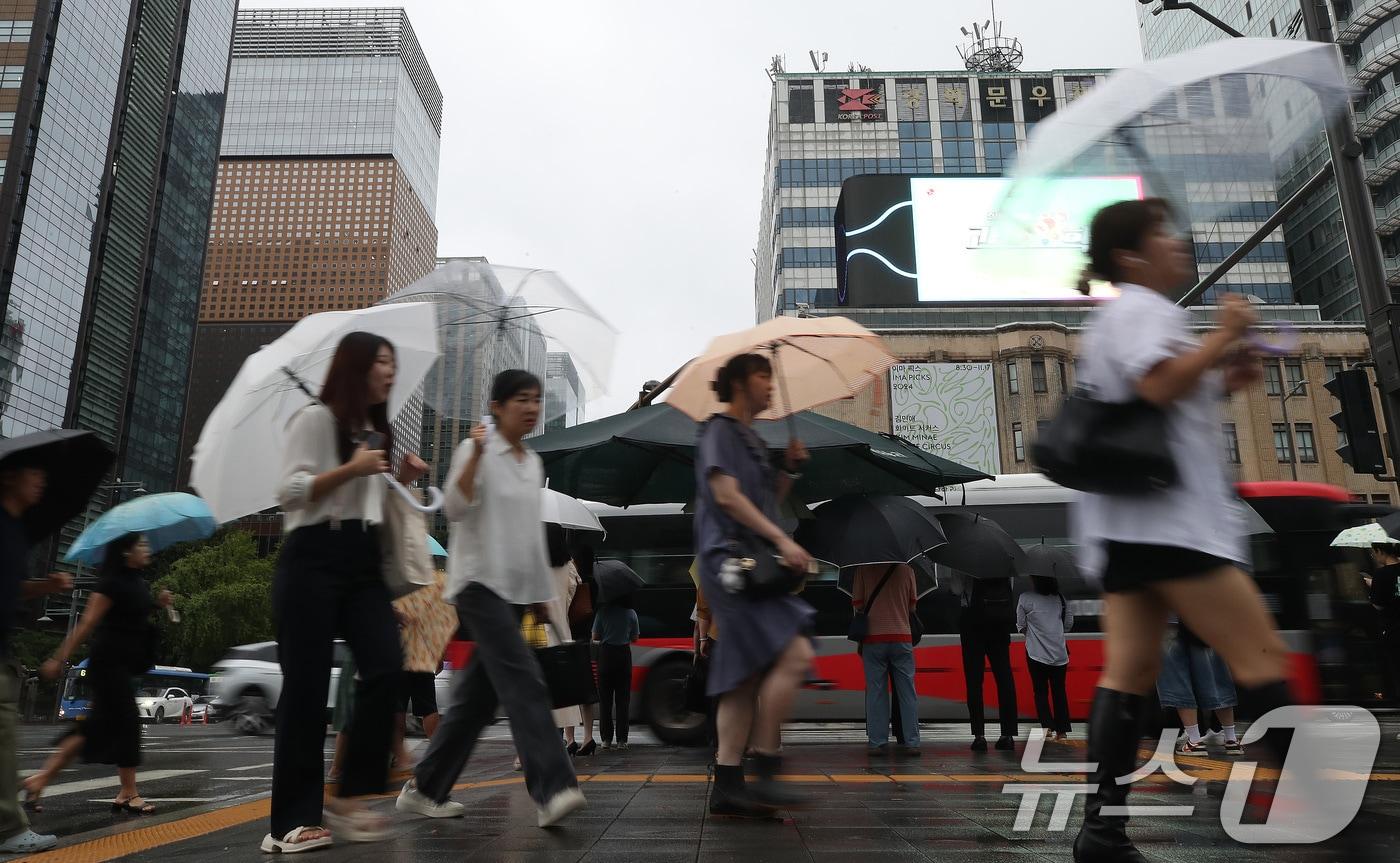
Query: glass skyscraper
x: 110, y: 158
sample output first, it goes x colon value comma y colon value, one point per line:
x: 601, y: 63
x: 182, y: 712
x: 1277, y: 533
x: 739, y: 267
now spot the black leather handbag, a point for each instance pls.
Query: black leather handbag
x: 568, y: 672
x: 1106, y: 447
x: 760, y: 567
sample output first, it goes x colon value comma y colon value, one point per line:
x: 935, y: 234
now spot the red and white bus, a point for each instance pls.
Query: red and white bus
x: 1315, y: 592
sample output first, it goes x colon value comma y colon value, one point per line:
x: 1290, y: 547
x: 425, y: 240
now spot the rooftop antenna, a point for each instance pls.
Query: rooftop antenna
x: 776, y: 67
x: 987, y: 50
x: 818, y: 60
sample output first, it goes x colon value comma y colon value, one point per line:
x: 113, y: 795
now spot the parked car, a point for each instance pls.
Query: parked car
x: 203, y: 710
x: 157, y: 704
x: 247, y: 683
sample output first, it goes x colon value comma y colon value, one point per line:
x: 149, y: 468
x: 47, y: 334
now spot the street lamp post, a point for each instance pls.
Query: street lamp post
x: 1288, y: 426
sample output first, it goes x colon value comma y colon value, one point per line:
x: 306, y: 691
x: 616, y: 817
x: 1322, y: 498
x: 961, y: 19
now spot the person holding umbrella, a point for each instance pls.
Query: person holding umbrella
x: 615, y: 629
x: 1162, y: 550
x: 125, y: 643
x: 498, y: 567
x: 29, y: 512
x: 1043, y: 616
x: 759, y: 664
x: 329, y: 581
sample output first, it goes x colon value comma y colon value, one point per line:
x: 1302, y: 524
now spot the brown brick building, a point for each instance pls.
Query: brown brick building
x: 1033, y: 367
x: 327, y: 183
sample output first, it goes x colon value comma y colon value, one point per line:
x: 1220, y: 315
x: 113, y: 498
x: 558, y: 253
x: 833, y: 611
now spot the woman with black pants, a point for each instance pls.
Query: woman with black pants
x: 1165, y: 550
x: 124, y: 645
x: 615, y: 628
x: 330, y: 584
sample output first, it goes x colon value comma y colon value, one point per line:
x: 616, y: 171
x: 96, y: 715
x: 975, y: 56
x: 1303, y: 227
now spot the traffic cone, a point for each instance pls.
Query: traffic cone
x: 185, y: 716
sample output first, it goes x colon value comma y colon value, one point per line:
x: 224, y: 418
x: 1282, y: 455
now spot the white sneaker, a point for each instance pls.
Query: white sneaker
x: 564, y: 803
x: 413, y: 800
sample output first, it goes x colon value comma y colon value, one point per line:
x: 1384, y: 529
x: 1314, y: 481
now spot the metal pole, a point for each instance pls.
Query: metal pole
x: 1288, y: 426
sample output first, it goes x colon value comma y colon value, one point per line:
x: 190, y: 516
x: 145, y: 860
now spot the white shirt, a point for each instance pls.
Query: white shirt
x: 1043, y: 619
x: 1125, y: 340
x: 497, y: 540
x: 311, y: 450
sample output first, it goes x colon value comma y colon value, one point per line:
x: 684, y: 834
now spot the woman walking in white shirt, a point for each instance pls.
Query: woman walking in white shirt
x: 1044, y: 617
x: 330, y: 584
x: 496, y: 568
x: 1164, y: 550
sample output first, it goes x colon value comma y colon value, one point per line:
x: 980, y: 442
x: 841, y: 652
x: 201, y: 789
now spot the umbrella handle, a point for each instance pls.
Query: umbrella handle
x: 434, y: 496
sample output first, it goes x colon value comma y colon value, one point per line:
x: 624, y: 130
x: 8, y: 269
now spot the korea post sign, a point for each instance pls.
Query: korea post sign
x: 948, y: 409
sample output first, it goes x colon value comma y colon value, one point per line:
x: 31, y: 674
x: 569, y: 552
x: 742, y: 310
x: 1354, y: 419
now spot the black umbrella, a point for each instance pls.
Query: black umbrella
x: 615, y: 580
x: 978, y: 546
x: 925, y: 580
x: 860, y: 529
x: 1050, y: 561
x: 74, y: 462
x: 647, y: 456
x: 1390, y: 524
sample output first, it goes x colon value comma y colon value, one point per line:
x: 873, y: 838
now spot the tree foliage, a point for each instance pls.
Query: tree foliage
x: 224, y: 596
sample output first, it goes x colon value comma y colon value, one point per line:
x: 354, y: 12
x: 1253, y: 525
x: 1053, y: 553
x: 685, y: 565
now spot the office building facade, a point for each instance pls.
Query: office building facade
x: 327, y: 183
x: 1366, y: 31
x: 564, y: 395
x: 111, y: 114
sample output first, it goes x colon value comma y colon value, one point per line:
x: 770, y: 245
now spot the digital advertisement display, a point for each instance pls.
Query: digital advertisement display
x: 904, y: 240
x: 948, y: 409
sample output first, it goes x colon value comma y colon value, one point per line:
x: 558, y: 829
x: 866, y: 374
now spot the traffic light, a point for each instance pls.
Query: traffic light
x: 1357, y: 420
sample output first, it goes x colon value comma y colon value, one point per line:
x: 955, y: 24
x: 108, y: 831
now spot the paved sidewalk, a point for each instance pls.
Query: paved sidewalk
x: 648, y: 805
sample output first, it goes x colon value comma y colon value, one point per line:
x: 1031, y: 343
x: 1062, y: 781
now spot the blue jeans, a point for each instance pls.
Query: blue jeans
x: 1194, y: 677
x: 886, y: 661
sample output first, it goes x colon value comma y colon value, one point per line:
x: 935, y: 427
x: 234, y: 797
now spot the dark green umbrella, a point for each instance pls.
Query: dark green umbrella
x: 647, y: 456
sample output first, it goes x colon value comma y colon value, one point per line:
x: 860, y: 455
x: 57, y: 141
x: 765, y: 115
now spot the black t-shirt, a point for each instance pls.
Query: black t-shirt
x: 125, y: 632
x: 14, y: 566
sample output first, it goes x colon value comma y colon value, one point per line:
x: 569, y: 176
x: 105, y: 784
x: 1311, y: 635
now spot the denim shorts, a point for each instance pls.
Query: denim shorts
x: 1185, y: 668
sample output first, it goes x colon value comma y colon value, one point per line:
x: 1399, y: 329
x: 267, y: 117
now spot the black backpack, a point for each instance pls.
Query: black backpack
x: 993, y: 601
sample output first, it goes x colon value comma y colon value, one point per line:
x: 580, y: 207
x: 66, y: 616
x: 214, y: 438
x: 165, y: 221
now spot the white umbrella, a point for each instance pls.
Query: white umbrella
x: 568, y: 512
x: 1363, y: 536
x: 1232, y: 113
x: 1130, y: 93
x: 238, y: 457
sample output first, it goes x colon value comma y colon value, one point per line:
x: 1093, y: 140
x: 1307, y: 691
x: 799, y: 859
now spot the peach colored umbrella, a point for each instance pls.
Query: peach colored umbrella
x: 815, y: 361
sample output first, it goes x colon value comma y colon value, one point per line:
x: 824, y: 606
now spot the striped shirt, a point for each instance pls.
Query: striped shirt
x: 888, y: 616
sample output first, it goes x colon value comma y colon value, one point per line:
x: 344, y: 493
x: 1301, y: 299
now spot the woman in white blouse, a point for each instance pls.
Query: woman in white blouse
x: 330, y: 584
x: 1181, y: 548
x: 497, y: 567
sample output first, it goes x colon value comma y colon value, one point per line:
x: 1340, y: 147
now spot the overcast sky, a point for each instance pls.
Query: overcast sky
x: 621, y: 142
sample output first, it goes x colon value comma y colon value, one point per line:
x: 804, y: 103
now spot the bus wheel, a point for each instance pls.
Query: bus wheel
x: 663, y: 705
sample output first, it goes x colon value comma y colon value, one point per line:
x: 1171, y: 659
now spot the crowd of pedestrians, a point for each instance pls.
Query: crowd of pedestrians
x: 1155, y: 555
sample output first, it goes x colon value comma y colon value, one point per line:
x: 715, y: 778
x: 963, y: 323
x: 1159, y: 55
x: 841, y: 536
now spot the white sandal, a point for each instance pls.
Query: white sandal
x: 292, y: 843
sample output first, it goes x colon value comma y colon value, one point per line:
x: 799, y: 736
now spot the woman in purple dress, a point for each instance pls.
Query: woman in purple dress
x: 762, y: 659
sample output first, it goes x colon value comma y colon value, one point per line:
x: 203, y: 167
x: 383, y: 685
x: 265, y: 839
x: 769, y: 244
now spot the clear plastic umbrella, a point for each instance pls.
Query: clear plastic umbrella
x: 491, y: 318
x: 1204, y: 129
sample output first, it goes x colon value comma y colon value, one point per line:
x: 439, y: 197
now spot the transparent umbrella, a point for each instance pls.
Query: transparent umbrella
x: 1205, y: 129
x: 492, y: 318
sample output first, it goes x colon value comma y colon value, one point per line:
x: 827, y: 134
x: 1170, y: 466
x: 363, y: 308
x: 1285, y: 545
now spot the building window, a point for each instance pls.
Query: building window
x: 1013, y: 378
x: 15, y: 31
x: 1064, y: 381
x: 1038, y: 375
x: 1018, y: 442
x: 1333, y: 368
x: 1307, y: 446
x: 1293, y: 378
x: 1383, y: 499
x: 1232, y: 444
x: 1283, y: 447
x: 1248, y: 11
x: 1273, y: 380
x: 11, y: 76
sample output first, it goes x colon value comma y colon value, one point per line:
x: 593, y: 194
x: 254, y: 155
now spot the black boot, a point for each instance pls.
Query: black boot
x: 1113, y: 741
x: 730, y: 797
x: 767, y: 790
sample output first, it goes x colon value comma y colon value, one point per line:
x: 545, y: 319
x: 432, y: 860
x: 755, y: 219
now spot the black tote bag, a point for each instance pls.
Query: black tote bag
x: 1106, y: 447
x: 568, y: 672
